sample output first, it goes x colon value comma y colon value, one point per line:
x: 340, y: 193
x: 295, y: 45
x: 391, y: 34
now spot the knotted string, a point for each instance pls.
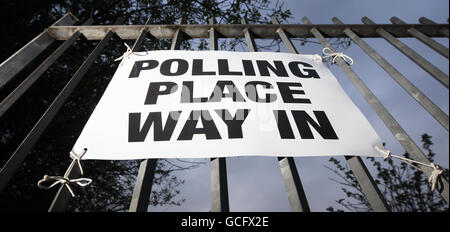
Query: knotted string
x: 65, y: 180
x: 126, y: 54
x: 437, y: 171
x: 330, y: 53
x: 77, y: 158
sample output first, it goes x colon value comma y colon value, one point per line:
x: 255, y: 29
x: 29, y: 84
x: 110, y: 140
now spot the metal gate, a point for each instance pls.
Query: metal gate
x: 65, y: 30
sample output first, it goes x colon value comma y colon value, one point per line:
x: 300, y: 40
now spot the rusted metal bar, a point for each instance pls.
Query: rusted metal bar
x: 404, y: 139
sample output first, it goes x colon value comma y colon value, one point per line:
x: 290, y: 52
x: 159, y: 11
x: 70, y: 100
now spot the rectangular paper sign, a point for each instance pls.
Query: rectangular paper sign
x: 197, y: 104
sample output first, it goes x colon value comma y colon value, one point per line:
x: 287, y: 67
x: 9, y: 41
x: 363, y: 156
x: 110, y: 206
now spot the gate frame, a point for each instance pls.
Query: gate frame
x: 63, y: 30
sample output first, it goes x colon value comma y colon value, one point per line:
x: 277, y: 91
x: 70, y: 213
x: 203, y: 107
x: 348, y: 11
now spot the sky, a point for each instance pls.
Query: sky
x: 256, y: 184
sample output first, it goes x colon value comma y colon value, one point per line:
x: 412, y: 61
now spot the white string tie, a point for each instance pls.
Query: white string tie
x: 317, y: 58
x: 77, y: 158
x: 386, y: 153
x: 432, y: 179
x: 435, y: 175
x: 65, y: 180
x: 126, y: 54
x: 330, y: 53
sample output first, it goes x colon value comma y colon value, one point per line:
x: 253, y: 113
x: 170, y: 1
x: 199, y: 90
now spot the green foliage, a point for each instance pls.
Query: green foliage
x: 406, y: 189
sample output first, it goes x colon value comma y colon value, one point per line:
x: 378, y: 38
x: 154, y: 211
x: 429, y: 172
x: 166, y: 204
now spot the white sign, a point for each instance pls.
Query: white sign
x: 196, y: 104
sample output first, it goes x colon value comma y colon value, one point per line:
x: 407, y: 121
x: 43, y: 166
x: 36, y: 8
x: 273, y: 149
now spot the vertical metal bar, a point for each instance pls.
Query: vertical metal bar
x: 15, y: 63
x: 178, y: 36
x: 213, y: 40
x: 62, y: 197
x: 368, y: 185
x: 292, y: 182
x: 67, y: 20
x: 423, y: 100
x: 138, y: 43
x: 219, y: 185
x: 395, y: 128
x: 284, y: 37
x: 424, y: 38
x: 144, y: 181
x: 365, y: 180
x: 414, y: 56
x: 34, y: 76
x: 249, y: 37
x: 146, y: 173
x: 219, y: 180
x: 143, y: 186
x: 443, y: 31
x: 294, y: 188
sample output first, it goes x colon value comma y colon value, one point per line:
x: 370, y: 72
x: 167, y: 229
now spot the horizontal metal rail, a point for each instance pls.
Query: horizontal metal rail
x: 131, y: 32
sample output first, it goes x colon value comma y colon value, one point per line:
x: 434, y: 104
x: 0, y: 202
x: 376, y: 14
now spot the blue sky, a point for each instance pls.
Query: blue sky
x: 256, y: 184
